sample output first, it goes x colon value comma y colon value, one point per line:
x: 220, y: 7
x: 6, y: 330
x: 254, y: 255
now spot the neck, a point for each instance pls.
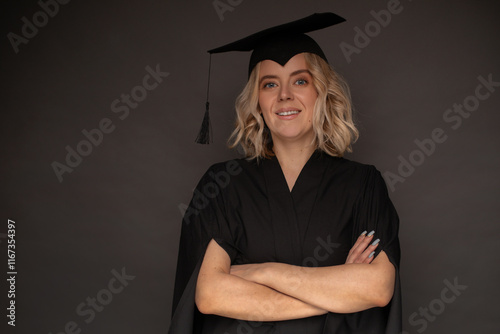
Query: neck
x: 293, y: 156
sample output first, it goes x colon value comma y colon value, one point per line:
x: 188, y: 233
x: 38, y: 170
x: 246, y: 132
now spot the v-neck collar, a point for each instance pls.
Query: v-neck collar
x: 308, y: 172
x: 310, y: 163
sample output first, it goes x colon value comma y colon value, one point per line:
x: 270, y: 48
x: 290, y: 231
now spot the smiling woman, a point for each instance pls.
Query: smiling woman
x: 332, y: 117
x: 244, y: 256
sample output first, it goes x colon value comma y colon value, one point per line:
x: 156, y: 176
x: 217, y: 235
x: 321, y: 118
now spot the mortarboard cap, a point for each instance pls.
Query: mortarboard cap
x: 279, y: 43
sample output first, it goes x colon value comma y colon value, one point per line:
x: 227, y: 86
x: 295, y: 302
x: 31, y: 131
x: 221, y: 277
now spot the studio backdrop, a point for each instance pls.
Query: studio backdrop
x: 102, y: 102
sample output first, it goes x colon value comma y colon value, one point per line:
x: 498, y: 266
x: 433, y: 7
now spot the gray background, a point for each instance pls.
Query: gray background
x: 120, y: 207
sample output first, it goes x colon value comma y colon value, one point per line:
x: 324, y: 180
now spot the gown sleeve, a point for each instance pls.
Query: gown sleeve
x: 374, y: 211
x: 204, y: 220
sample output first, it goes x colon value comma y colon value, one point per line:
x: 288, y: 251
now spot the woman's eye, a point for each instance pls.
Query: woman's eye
x: 301, y: 82
x: 269, y: 85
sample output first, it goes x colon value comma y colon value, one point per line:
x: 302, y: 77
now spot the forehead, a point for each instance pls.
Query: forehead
x: 270, y: 67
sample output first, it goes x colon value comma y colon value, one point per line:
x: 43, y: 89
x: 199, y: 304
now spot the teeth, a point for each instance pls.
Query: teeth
x: 287, y: 113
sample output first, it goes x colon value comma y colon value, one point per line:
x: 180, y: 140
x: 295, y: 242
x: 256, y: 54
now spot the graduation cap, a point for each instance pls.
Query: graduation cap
x: 279, y: 43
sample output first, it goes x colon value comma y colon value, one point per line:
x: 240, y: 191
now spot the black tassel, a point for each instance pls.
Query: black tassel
x: 205, y: 134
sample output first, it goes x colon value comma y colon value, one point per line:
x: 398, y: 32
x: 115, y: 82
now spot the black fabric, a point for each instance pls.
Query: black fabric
x: 250, y: 212
x: 282, y: 42
x: 281, y: 48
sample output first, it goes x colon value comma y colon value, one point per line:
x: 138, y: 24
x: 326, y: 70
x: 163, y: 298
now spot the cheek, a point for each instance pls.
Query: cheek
x: 313, y: 97
x: 264, y: 103
x: 261, y: 102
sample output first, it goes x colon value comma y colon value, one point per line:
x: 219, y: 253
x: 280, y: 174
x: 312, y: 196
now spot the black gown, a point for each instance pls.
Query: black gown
x: 246, y: 206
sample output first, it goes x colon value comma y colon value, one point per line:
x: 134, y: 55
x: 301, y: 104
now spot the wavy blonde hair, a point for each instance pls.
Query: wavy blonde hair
x: 333, y: 123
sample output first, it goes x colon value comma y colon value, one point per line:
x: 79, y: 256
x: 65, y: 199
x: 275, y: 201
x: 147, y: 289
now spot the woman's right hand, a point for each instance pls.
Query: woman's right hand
x: 363, y: 250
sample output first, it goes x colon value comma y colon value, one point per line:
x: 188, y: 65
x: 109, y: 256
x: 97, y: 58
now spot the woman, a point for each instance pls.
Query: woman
x: 281, y: 237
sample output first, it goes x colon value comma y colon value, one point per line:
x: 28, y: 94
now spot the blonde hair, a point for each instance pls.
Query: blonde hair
x: 333, y: 123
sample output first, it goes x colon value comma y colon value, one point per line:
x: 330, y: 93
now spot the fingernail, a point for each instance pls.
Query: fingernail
x: 375, y: 242
x: 371, y: 233
x: 362, y: 234
x: 371, y: 254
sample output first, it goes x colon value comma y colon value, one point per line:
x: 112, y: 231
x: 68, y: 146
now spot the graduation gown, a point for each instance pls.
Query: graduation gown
x: 246, y: 206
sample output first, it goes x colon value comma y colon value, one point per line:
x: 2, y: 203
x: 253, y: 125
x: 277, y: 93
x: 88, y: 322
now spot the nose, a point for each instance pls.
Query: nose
x: 285, y: 93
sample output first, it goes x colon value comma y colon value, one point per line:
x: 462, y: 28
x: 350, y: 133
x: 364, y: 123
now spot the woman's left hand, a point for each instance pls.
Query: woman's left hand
x: 364, y: 249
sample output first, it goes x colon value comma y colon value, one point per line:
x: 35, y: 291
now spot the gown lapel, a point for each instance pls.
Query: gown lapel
x: 283, y: 217
x: 305, y: 192
x: 291, y: 211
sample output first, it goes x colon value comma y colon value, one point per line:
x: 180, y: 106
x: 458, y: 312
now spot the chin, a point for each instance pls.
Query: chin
x: 296, y: 135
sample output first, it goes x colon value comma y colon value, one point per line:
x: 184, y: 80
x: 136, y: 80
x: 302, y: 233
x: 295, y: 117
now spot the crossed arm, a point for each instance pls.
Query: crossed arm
x: 277, y: 291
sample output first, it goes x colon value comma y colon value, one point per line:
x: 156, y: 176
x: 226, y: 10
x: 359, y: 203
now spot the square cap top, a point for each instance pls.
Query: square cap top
x: 282, y: 42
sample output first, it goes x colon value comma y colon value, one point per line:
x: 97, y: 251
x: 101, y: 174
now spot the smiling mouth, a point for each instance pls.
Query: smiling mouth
x: 288, y: 113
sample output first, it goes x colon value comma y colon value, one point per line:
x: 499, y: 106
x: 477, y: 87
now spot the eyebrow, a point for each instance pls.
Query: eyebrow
x: 265, y: 77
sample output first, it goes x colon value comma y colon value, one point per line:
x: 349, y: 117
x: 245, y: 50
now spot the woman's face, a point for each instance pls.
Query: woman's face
x: 286, y: 99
